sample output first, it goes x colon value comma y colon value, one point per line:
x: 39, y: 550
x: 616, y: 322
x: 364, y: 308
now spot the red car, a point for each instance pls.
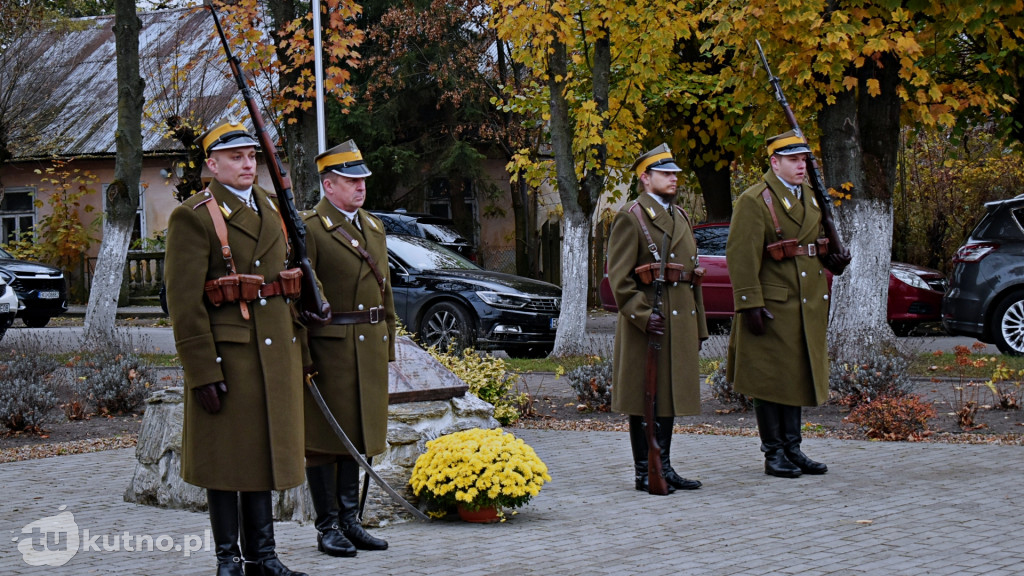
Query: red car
x: 915, y: 293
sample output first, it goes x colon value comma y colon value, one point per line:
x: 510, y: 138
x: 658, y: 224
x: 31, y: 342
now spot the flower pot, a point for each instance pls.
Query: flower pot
x: 480, y: 516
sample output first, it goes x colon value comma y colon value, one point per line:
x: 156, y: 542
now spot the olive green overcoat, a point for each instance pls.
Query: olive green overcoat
x: 682, y: 307
x: 789, y: 363
x: 351, y: 360
x: 255, y: 441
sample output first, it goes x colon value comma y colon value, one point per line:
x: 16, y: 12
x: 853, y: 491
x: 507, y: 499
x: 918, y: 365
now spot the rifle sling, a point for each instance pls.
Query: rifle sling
x: 366, y: 255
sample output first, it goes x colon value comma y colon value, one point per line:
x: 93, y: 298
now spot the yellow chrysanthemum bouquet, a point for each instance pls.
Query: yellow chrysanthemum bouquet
x: 477, y: 469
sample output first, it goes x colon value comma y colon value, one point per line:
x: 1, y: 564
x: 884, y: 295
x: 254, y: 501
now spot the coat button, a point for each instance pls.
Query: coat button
x: 825, y: 296
x: 693, y: 312
x: 360, y: 307
x: 385, y: 337
x: 263, y: 301
x: 219, y: 359
x: 256, y: 263
x: 803, y: 274
x: 743, y: 298
x: 293, y: 339
x: 804, y: 300
x: 674, y: 284
x: 268, y: 342
x: 674, y: 313
x: 632, y: 316
x: 361, y: 338
x: 671, y: 255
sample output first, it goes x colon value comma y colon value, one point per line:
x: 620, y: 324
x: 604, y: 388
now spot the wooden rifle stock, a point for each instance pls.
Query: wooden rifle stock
x: 655, y: 477
x: 839, y: 256
x: 312, y: 302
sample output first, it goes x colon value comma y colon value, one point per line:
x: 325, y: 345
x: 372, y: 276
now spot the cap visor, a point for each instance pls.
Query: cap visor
x: 667, y: 167
x: 360, y: 171
x: 793, y: 150
x: 243, y: 142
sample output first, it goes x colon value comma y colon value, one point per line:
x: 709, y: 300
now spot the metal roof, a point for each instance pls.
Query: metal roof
x: 68, y: 92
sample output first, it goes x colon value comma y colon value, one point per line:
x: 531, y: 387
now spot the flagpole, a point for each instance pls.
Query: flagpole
x: 321, y: 118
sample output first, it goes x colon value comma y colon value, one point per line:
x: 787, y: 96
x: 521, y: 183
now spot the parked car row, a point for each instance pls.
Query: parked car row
x: 39, y: 291
x: 915, y: 293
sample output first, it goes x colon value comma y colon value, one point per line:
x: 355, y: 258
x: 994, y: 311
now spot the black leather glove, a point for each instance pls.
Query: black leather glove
x: 209, y: 396
x: 754, y: 317
x: 836, y: 263
x: 313, y: 319
x: 656, y: 325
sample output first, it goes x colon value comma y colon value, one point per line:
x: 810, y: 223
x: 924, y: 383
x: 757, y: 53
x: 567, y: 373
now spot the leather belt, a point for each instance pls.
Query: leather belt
x: 272, y: 289
x: 803, y: 250
x: 371, y: 316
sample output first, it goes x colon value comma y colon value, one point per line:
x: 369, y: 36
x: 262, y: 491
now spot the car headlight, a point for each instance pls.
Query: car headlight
x: 503, y: 300
x: 7, y: 276
x: 910, y: 278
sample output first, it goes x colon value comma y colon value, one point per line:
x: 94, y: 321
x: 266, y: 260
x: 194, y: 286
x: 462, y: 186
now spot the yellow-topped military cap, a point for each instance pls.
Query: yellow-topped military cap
x: 228, y: 133
x: 787, y: 144
x: 344, y: 159
x: 659, y: 159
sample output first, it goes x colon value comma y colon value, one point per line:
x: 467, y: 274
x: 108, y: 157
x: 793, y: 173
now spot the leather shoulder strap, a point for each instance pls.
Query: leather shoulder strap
x: 636, y: 211
x: 370, y: 260
x: 771, y: 208
x: 222, y: 232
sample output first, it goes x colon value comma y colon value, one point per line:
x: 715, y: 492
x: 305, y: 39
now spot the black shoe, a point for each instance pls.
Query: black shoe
x: 805, y: 464
x: 676, y: 481
x: 269, y: 567
x: 776, y: 464
x: 232, y: 567
x: 322, y: 485
x: 638, y: 444
x: 348, y: 508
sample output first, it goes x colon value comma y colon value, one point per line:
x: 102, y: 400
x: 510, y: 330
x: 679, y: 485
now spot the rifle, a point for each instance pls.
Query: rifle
x: 838, y: 256
x: 655, y: 478
x: 314, y: 307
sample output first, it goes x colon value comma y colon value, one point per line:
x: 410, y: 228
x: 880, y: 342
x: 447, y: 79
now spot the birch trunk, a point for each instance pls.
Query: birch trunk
x: 572, y: 323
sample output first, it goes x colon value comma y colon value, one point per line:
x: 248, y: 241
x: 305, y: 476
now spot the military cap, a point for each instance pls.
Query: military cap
x: 229, y: 133
x: 659, y: 159
x: 787, y: 144
x: 344, y: 159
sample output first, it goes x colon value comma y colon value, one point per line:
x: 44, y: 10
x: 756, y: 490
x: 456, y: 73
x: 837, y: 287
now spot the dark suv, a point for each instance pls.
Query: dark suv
x: 41, y: 289
x: 986, y: 292
x: 427, y: 226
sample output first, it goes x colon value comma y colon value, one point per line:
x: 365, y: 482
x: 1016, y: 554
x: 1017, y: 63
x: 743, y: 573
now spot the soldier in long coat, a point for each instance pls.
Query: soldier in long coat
x: 777, y: 348
x: 351, y: 354
x: 681, y: 326
x: 242, y: 361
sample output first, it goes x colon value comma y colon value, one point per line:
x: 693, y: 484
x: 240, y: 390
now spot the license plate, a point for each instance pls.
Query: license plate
x: 554, y: 323
x: 49, y: 294
x: 5, y: 308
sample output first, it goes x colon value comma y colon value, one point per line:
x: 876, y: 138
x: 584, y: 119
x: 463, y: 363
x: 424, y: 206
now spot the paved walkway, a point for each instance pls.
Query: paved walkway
x: 884, y: 508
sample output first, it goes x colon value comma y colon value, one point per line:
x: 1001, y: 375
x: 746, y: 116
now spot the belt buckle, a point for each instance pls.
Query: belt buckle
x: 812, y: 249
x: 259, y: 293
x: 375, y: 314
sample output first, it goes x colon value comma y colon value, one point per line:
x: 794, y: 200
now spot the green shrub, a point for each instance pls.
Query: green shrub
x: 488, y: 379
x: 721, y: 389
x: 593, y: 385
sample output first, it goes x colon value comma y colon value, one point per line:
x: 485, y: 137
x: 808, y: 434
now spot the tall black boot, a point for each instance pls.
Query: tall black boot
x: 348, y: 505
x: 664, y: 436
x: 638, y: 443
x: 769, y: 425
x: 791, y: 424
x: 258, y: 541
x: 329, y: 539
x: 224, y: 524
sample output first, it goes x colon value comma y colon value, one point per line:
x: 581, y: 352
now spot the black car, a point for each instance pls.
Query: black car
x: 986, y: 292
x: 41, y: 289
x: 451, y: 302
x: 427, y: 226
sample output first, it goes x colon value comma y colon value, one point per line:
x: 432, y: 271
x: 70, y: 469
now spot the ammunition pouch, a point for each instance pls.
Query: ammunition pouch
x: 791, y: 248
x: 648, y: 273
x: 248, y: 287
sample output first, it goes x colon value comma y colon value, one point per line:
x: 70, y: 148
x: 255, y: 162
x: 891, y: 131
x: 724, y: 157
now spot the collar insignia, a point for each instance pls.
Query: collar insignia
x: 815, y: 201
x: 327, y: 221
x: 224, y: 208
x: 786, y: 202
x: 650, y: 210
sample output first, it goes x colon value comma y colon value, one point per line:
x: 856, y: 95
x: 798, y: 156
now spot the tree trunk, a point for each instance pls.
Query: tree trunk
x: 716, y: 189
x: 123, y: 192
x: 572, y: 323
x: 860, y: 135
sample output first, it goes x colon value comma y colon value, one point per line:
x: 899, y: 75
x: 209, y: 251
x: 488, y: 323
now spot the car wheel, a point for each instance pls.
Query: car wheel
x: 1008, y: 327
x: 447, y: 326
x: 36, y: 321
x: 529, y: 351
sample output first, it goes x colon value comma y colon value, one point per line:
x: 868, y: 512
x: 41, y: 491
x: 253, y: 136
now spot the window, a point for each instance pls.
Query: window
x: 17, y: 212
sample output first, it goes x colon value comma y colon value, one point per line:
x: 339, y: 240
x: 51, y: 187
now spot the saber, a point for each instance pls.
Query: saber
x: 319, y: 399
